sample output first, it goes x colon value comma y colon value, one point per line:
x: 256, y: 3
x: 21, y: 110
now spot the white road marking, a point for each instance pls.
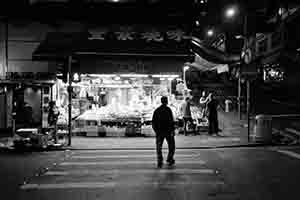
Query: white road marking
x: 95, y: 185
x: 132, y: 156
x: 289, y: 153
x: 223, y: 139
x: 275, y: 131
x: 127, y: 162
x: 291, y: 130
x: 134, y: 171
x: 164, y: 150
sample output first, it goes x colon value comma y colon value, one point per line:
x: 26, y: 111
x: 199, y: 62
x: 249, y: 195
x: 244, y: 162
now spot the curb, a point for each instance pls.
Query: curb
x: 200, y: 147
x: 250, y: 145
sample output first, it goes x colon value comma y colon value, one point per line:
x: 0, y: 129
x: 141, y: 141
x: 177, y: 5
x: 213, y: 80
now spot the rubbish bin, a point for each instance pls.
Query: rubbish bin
x: 227, y: 105
x: 262, y: 129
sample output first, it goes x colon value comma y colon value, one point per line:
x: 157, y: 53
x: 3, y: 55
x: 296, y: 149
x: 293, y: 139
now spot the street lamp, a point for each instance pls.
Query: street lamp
x: 231, y: 12
x: 210, y: 32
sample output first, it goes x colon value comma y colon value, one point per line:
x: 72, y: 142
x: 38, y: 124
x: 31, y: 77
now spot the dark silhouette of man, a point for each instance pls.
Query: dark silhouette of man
x: 163, y: 125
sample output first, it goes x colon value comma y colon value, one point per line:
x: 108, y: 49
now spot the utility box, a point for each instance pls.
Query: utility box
x: 263, y: 129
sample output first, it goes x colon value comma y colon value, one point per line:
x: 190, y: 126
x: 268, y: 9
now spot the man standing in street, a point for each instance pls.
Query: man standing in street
x: 164, y: 126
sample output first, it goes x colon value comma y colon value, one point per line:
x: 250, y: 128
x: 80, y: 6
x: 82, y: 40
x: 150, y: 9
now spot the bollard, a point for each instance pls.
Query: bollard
x: 263, y: 129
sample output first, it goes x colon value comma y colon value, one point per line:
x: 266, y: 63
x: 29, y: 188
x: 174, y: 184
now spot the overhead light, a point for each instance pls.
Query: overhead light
x: 117, y: 78
x: 102, y: 75
x: 210, y: 32
x: 165, y: 76
x: 281, y: 11
x: 134, y: 75
x: 230, y: 12
x: 238, y: 37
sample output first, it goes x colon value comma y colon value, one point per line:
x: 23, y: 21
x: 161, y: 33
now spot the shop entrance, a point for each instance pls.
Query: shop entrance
x: 116, y: 105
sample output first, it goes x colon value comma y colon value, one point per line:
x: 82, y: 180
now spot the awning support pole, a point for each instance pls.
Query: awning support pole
x: 5, y: 70
x: 248, y: 108
x: 70, y: 99
x: 239, y: 98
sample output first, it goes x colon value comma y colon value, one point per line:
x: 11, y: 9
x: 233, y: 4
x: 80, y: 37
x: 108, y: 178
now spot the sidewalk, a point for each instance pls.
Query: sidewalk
x: 234, y: 133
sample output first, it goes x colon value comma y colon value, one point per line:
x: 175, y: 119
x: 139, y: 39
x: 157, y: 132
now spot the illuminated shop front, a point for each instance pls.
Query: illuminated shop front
x: 116, y: 100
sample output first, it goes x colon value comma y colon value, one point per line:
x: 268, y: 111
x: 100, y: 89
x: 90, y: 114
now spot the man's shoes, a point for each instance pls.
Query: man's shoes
x: 159, y: 165
x: 171, y: 162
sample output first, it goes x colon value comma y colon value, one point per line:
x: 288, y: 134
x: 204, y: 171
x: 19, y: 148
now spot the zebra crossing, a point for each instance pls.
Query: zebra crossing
x: 104, y: 172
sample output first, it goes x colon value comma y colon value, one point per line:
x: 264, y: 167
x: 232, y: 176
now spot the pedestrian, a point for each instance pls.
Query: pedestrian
x: 52, y: 119
x: 212, y: 115
x: 187, y: 114
x: 164, y: 126
x: 203, y: 101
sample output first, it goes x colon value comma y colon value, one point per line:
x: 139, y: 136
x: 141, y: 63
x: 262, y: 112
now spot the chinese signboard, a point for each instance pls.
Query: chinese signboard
x: 128, y: 33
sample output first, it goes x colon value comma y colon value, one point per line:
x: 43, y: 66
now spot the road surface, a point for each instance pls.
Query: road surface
x: 236, y: 173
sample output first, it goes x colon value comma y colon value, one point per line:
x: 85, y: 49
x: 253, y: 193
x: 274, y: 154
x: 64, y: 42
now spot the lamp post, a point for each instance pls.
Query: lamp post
x: 70, y: 99
x: 231, y: 12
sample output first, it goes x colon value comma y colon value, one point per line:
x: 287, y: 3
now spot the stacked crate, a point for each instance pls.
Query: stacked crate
x: 91, y: 128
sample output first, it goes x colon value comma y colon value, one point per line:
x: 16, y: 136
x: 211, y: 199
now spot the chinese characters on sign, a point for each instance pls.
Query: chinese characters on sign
x: 177, y: 35
x: 128, y: 34
x: 98, y: 34
x: 152, y: 36
x: 125, y: 33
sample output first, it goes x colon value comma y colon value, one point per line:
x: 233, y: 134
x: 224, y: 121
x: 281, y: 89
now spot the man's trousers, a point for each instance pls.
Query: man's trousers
x: 171, y: 146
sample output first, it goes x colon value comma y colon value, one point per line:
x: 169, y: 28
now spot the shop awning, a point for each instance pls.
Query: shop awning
x: 58, y: 45
x: 205, y: 65
x: 212, y: 54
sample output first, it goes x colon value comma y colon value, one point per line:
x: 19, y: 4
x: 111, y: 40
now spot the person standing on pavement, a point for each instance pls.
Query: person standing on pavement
x: 187, y: 114
x: 164, y: 126
x: 52, y: 119
x: 203, y: 101
x: 212, y: 114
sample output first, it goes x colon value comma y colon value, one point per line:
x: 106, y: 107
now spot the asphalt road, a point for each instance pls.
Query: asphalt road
x: 17, y: 167
x: 239, y: 173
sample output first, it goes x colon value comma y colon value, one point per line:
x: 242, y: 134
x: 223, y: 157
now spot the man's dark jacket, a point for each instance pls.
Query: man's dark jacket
x: 162, y: 120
